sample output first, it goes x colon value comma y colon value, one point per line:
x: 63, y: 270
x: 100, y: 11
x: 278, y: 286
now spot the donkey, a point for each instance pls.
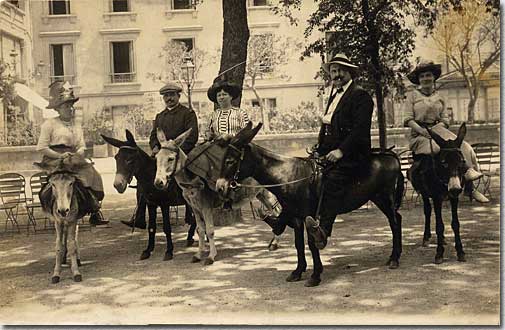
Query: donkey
x: 296, y: 184
x: 63, y: 199
x: 132, y: 161
x: 440, y: 176
x: 171, y: 162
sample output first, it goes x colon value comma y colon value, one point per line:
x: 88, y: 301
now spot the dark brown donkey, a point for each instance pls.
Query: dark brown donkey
x: 132, y: 161
x: 298, y: 189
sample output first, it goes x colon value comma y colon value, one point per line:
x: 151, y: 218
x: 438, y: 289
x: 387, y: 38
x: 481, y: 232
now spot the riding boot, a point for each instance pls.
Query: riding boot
x: 96, y: 217
x: 316, y: 231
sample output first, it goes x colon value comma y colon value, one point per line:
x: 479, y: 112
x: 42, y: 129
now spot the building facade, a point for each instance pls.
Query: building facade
x: 111, y: 51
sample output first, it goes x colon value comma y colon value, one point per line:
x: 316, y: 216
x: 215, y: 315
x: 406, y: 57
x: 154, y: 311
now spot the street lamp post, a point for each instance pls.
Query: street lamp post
x: 188, y: 70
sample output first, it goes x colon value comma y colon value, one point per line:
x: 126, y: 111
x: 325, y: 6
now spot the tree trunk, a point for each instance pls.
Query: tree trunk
x: 373, y: 51
x: 235, y: 39
x: 264, y: 113
x: 474, y: 96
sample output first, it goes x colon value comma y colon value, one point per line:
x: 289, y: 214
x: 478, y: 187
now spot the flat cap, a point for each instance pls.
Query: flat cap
x: 170, y: 87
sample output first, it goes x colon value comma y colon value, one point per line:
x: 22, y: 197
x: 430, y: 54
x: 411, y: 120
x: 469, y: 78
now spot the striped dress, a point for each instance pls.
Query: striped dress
x: 228, y: 121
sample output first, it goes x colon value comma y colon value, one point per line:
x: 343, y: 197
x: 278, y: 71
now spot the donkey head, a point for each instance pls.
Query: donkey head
x: 62, y: 185
x: 167, y: 159
x: 236, y: 163
x: 127, y: 160
x: 451, y: 163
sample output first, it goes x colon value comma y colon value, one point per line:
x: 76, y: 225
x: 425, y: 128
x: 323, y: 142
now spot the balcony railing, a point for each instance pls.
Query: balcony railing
x: 69, y: 78
x: 124, y: 77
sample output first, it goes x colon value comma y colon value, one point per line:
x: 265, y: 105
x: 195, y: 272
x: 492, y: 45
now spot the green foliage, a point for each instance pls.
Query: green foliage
x: 20, y: 131
x: 304, y: 118
x: 100, y: 123
x: 137, y: 123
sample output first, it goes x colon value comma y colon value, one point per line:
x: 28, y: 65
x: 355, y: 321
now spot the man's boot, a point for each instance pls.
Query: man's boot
x: 139, y: 219
x: 316, y: 232
x: 97, y: 219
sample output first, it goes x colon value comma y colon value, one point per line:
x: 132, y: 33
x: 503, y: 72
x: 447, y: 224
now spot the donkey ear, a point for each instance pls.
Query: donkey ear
x: 160, y: 135
x: 129, y: 137
x: 441, y: 142
x: 461, y: 134
x: 181, y: 138
x: 115, y: 142
x: 246, y: 135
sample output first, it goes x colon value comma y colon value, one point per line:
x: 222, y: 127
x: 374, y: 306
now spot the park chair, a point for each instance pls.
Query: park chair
x: 406, y: 160
x: 488, y: 157
x: 37, y: 181
x: 13, y: 199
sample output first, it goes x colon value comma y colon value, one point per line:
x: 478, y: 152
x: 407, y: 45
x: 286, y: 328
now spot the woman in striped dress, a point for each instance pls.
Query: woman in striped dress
x: 226, y: 121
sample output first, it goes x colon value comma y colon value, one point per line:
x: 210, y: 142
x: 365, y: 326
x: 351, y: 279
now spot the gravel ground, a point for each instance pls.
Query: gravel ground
x: 246, y: 284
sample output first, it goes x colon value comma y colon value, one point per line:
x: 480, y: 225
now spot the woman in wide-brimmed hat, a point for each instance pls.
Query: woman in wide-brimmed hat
x: 61, y: 139
x: 425, y: 107
x: 226, y: 121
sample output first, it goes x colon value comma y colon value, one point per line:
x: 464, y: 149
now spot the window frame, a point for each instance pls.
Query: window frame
x: 190, y: 3
x: 128, y: 6
x: 67, y: 8
x: 71, y: 78
x: 132, y: 74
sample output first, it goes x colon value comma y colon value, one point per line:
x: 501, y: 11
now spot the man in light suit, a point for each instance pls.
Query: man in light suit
x: 344, y: 141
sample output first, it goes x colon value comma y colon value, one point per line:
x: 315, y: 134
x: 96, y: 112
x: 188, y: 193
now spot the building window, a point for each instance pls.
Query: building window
x: 120, y: 6
x: 182, y: 4
x: 14, y: 2
x: 493, y: 109
x: 62, y: 63
x: 59, y: 7
x: 263, y: 55
x: 122, y: 69
x: 188, y: 42
x: 268, y: 103
x: 259, y: 3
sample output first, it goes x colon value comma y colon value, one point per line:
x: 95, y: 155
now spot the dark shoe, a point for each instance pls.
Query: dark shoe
x: 96, y: 219
x: 131, y: 223
x: 316, y: 232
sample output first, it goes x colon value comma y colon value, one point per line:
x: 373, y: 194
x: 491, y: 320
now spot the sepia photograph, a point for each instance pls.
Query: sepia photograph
x: 250, y: 163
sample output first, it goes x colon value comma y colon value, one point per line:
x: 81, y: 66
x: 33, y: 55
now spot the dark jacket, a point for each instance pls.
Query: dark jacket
x: 350, y: 127
x: 174, y: 123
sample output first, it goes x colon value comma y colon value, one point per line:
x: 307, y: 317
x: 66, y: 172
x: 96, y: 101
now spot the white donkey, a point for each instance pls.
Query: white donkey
x: 64, y: 210
x: 170, y: 162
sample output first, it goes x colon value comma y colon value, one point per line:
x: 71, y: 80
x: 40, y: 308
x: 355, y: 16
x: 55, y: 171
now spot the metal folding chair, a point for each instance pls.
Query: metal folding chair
x: 34, y: 207
x: 13, y: 199
x: 488, y: 157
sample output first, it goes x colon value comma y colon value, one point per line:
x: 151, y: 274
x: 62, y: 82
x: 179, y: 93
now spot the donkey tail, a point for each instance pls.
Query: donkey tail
x: 400, y: 189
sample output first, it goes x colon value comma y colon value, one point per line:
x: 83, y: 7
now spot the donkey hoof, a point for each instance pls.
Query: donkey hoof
x: 461, y: 257
x: 208, y: 261
x: 78, y: 278
x: 190, y: 242
x: 273, y: 247
x: 145, y: 255
x: 311, y: 282
x: 195, y: 259
x: 294, y: 277
x: 168, y: 256
x: 79, y: 262
x: 55, y: 279
x: 439, y: 260
x: 393, y: 264
x: 426, y: 242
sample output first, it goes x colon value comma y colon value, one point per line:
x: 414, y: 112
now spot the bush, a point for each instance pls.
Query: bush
x: 100, y: 123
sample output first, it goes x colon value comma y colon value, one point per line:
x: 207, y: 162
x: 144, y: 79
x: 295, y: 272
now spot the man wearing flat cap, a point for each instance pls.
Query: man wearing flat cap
x: 174, y: 120
x: 344, y: 141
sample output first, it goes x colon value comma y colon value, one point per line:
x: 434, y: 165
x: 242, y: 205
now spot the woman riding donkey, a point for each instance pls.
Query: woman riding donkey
x: 425, y: 109
x: 62, y: 141
x: 226, y: 121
